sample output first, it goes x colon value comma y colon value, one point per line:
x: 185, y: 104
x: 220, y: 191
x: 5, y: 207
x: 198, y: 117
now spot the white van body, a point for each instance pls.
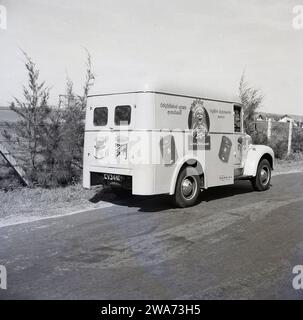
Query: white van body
x: 160, y: 134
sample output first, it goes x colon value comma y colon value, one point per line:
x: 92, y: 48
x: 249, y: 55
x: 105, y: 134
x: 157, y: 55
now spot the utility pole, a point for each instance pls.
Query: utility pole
x: 269, y: 125
x: 289, y: 137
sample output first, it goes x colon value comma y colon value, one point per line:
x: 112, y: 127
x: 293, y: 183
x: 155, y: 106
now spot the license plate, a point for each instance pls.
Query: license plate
x: 112, y: 177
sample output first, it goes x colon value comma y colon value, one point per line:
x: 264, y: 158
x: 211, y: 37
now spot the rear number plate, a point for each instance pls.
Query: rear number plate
x: 112, y: 177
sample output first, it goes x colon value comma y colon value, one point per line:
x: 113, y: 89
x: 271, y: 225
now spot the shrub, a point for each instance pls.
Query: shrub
x: 295, y: 156
x: 279, y: 145
x: 259, y: 137
x: 297, y: 140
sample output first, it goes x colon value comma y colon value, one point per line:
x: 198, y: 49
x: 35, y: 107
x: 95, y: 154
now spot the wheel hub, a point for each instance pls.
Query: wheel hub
x: 188, y: 187
x: 264, y: 175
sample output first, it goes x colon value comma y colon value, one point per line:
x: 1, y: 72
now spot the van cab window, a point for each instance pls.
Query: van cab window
x: 100, y: 116
x: 122, y: 115
x: 237, y: 119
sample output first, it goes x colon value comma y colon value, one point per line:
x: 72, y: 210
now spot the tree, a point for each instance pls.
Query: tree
x: 251, y: 100
x: 33, y: 111
x: 63, y: 137
x: 50, y: 140
x: 73, y: 115
x: 89, y: 78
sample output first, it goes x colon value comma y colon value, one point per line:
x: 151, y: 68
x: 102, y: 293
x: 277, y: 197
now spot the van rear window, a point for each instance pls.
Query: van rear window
x: 122, y: 115
x: 100, y: 116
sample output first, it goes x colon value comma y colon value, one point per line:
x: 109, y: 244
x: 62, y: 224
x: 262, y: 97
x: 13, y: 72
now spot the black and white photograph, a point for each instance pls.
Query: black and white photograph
x: 151, y: 153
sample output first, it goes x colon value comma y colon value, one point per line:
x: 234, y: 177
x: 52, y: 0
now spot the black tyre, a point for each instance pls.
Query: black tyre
x: 261, y: 181
x: 187, y: 188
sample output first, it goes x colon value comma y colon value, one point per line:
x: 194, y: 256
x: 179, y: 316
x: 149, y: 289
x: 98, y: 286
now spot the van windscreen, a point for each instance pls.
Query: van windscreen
x: 122, y: 115
x: 100, y: 116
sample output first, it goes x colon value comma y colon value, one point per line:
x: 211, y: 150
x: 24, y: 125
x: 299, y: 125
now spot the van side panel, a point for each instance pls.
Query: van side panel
x: 177, y: 118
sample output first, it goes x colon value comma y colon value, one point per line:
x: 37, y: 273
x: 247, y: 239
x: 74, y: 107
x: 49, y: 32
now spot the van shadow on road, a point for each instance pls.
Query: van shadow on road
x: 164, y: 202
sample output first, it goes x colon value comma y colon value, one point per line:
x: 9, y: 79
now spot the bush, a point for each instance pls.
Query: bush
x: 276, y: 142
x: 279, y: 147
x: 295, y: 156
x: 259, y: 137
x: 297, y: 140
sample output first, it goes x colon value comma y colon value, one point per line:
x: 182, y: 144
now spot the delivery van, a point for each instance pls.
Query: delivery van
x: 152, y: 142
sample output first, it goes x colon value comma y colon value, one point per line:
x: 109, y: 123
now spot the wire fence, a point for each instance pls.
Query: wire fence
x: 284, y: 132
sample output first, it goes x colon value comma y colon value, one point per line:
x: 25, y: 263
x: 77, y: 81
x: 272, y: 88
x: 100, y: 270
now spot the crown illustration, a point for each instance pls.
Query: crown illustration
x: 197, y: 105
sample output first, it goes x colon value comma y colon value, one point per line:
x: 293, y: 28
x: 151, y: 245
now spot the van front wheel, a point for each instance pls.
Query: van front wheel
x: 261, y: 181
x: 187, y: 188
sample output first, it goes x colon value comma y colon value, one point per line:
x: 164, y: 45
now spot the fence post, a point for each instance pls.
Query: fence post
x: 289, y: 137
x: 269, y: 128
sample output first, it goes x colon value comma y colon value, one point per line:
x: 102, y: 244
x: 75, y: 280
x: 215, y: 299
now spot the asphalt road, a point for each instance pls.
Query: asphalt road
x: 235, y: 244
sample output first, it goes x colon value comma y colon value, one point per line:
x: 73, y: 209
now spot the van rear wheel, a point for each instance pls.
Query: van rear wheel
x: 261, y: 181
x: 187, y: 188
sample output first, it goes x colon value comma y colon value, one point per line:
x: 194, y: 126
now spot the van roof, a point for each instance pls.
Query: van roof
x: 234, y: 100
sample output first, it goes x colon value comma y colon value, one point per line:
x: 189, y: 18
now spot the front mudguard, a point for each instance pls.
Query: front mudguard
x: 254, y: 155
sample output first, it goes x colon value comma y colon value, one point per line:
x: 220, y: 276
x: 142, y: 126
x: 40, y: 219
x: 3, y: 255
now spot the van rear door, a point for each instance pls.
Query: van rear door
x: 108, y: 121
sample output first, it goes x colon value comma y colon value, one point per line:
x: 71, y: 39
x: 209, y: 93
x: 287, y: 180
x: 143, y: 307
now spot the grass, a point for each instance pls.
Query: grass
x: 287, y: 165
x: 26, y: 203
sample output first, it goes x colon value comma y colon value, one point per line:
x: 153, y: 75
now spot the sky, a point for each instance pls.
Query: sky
x: 186, y: 46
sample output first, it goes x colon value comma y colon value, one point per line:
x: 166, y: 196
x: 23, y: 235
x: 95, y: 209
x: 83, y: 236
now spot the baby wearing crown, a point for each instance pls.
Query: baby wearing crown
x: 199, y: 121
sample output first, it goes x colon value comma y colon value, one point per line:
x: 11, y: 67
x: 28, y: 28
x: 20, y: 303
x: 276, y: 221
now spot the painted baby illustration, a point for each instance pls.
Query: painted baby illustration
x: 199, y: 123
